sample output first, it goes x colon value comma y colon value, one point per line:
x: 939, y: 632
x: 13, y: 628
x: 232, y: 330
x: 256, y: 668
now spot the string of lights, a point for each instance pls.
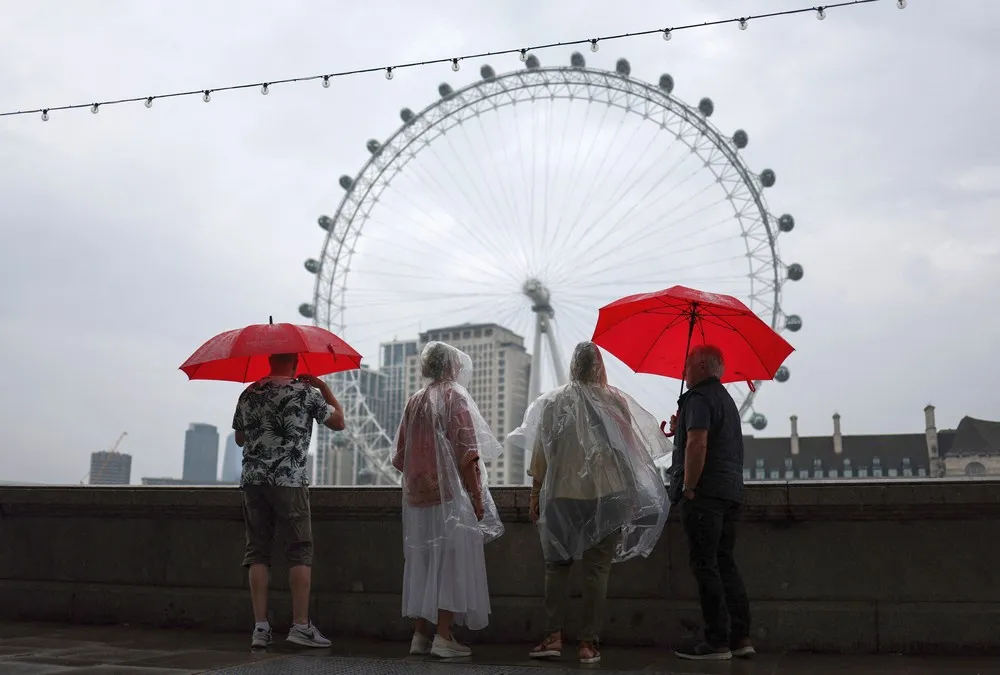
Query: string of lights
x: 455, y: 61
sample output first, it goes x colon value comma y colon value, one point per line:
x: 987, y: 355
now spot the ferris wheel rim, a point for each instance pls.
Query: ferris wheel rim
x: 378, y: 171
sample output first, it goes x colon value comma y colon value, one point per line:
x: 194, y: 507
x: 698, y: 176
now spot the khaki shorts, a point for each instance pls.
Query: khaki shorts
x: 267, y: 507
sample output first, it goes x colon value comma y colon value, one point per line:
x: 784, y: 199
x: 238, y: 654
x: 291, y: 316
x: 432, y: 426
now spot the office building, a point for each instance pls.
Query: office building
x: 501, y: 370
x: 232, y: 461
x: 201, y: 454
x: 110, y: 468
x: 392, y: 365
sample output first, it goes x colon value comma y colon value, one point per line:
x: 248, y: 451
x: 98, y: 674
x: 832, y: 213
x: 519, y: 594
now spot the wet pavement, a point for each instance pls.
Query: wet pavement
x: 38, y: 649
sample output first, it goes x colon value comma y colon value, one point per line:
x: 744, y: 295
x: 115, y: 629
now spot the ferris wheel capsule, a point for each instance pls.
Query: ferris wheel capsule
x: 623, y: 67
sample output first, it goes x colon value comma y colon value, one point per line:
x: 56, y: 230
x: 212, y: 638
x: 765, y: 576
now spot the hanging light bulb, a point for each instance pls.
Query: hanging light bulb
x: 207, y: 96
x: 326, y: 81
x: 901, y: 4
x: 594, y: 46
x: 94, y: 108
x: 264, y: 89
x: 820, y: 13
x: 454, y: 65
x: 45, y: 115
x: 667, y: 34
x: 388, y: 73
x: 149, y: 102
x: 524, y: 55
x: 743, y: 24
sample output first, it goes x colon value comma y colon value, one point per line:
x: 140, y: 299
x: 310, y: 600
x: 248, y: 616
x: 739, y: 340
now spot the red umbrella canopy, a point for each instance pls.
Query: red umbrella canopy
x: 241, y: 355
x: 654, y: 332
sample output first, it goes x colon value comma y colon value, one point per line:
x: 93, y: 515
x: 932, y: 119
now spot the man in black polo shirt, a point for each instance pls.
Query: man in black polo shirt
x: 709, y: 450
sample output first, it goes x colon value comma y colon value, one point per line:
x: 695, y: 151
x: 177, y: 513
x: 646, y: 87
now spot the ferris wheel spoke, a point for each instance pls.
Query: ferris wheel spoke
x: 569, y: 196
x: 661, y: 273
x: 638, y: 202
x: 472, y: 232
x: 643, y: 205
x: 590, y: 190
x: 514, y: 190
x: 431, y: 254
x: 616, y: 196
x: 491, y: 214
x: 505, y: 210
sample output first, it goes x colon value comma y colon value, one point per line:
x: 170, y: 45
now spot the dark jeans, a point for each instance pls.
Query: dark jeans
x: 711, y: 533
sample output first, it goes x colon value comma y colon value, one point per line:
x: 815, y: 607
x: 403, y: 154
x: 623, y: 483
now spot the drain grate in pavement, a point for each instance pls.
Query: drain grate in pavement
x: 359, y: 666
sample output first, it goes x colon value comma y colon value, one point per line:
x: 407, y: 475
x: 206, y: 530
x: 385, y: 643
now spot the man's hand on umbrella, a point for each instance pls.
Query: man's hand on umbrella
x: 673, y: 424
x: 311, y: 380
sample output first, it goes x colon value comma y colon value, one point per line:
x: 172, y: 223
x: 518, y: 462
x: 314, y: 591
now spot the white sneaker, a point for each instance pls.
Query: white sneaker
x: 420, y: 645
x: 308, y: 636
x: 261, y: 638
x: 449, y: 649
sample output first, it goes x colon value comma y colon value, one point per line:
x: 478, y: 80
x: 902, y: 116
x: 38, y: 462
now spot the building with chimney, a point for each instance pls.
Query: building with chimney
x: 973, y: 449
x: 501, y: 370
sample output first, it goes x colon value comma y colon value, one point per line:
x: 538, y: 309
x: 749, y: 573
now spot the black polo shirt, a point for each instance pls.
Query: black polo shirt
x: 708, y: 405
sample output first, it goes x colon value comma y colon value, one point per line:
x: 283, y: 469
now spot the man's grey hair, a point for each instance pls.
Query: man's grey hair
x: 709, y: 357
x: 587, y: 364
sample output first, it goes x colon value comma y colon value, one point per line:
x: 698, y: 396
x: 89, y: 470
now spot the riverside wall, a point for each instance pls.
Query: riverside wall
x: 894, y: 566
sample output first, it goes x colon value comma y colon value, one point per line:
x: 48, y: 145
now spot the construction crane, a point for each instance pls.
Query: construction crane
x: 112, y: 451
x: 114, y: 448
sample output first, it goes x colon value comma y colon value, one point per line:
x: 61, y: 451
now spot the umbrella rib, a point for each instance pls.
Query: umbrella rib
x: 652, y: 344
x: 725, y: 324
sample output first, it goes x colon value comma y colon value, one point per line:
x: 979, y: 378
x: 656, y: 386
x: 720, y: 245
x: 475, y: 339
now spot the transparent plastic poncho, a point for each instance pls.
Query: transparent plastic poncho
x: 593, y: 449
x: 441, y: 448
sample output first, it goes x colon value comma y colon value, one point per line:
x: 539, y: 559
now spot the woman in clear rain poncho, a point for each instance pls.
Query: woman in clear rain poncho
x: 596, y: 494
x: 448, y: 512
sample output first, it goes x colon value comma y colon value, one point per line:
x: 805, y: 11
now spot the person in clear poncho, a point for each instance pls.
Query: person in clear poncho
x: 448, y: 512
x: 596, y: 494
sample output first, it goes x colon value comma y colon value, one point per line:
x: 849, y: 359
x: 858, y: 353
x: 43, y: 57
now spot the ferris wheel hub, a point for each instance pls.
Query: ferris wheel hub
x: 538, y: 293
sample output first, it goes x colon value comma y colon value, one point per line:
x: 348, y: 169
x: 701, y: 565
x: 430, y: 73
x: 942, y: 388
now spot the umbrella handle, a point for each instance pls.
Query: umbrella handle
x: 663, y: 429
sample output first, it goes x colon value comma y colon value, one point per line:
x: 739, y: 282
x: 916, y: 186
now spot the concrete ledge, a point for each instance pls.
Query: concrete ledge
x: 845, y: 567
x: 917, y: 499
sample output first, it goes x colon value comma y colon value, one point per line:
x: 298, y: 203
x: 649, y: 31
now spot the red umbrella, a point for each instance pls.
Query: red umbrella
x: 242, y: 355
x: 654, y: 332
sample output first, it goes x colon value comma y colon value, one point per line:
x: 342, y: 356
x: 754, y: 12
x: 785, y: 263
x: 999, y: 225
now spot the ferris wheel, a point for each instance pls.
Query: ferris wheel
x: 530, y: 199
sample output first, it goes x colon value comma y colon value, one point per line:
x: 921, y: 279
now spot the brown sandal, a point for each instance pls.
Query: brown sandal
x: 549, y: 648
x: 589, y: 653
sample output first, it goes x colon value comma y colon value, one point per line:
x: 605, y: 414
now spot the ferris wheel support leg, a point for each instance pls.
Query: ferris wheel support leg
x: 558, y: 365
x: 535, y: 380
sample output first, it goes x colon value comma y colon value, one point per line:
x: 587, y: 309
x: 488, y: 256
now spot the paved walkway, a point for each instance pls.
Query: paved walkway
x: 36, y: 649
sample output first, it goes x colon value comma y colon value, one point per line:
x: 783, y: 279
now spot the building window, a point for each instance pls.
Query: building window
x: 789, y: 474
x: 863, y: 472
x: 817, y: 468
x: 975, y: 469
x: 746, y: 474
x: 759, y: 464
x: 893, y: 473
x: 922, y: 472
x: 848, y: 472
x: 803, y: 474
x: 773, y: 474
x: 788, y: 463
x: 832, y: 473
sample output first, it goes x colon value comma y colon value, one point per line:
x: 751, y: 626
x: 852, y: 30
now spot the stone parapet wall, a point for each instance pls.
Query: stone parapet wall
x: 852, y: 567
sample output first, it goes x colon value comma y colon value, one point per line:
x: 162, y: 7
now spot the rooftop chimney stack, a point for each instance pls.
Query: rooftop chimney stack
x: 936, y: 469
x: 838, y: 440
x: 795, y: 434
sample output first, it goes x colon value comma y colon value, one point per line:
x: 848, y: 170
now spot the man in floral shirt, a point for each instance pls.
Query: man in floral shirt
x: 273, y: 424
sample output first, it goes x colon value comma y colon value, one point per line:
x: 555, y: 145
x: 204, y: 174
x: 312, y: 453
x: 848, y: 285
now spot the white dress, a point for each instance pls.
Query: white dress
x: 447, y: 572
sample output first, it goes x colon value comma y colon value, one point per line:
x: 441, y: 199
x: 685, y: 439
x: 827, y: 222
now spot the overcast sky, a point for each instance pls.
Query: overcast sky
x: 131, y: 236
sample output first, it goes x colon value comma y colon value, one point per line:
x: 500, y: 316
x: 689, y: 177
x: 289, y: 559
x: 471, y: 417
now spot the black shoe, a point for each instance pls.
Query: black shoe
x: 699, y: 650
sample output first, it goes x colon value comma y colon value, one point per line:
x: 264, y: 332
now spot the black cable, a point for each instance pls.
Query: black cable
x: 522, y: 51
